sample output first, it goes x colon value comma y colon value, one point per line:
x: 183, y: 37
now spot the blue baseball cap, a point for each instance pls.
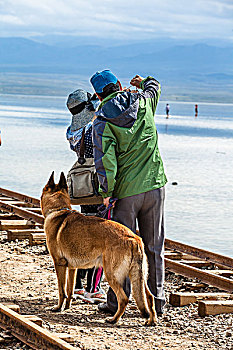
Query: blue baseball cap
x: 101, y: 79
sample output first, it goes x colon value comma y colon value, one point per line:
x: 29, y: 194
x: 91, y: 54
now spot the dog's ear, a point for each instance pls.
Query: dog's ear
x: 62, y: 182
x: 50, y: 183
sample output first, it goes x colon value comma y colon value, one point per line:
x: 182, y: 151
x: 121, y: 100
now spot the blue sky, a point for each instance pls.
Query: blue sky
x: 122, y: 19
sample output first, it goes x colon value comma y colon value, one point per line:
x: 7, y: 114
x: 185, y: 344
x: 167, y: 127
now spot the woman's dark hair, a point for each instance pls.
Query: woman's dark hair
x: 109, y: 89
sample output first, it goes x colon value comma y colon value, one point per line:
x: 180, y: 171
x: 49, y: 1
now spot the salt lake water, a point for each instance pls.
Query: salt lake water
x: 197, y: 154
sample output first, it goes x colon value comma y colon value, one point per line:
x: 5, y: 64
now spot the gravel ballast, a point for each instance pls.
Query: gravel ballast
x: 27, y: 278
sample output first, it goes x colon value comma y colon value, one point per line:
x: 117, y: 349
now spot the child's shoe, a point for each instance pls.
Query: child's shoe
x: 94, y: 298
x: 79, y: 293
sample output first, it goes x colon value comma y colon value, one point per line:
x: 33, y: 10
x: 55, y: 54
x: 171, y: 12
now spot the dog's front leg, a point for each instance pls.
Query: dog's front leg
x: 70, y: 286
x: 61, y: 271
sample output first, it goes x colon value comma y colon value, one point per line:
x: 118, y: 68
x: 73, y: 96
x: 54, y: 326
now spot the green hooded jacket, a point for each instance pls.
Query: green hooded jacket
x: 125, y: 140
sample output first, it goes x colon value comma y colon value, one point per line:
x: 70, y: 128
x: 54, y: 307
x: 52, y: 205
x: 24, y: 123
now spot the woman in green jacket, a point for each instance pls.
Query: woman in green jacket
x: 130, y: 168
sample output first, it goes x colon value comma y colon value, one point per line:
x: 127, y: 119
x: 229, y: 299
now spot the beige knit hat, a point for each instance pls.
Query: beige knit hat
x: 82, y: 109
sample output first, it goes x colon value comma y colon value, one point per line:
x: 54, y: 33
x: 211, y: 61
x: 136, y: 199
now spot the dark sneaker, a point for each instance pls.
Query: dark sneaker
x: 103, y: 307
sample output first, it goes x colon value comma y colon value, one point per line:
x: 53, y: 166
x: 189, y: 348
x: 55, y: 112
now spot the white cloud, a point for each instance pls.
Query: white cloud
x: 10, y: 19
x: 122, y: 19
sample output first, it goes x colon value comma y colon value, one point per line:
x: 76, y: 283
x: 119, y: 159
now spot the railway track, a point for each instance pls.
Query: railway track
x: 211, y: 268
x: 20, y: 217
x: 29, y: 330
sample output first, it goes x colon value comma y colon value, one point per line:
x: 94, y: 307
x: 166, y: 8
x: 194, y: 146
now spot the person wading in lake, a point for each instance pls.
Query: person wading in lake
x: 167, y: 110
x: 130, y: 168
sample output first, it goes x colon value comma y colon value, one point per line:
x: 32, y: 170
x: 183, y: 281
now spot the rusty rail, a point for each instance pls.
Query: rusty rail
x: 10, y: 208
x: 205, y: 276
x: 30, y: 333
x: 200, y: 253
x: 20, y: 196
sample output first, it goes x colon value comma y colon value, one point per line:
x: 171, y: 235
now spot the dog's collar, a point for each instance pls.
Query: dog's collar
x: 55, y: 210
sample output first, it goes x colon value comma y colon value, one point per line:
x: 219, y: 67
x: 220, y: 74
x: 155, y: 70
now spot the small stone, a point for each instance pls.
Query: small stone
x: 7, y: 338
x: 228, y: 334
x: 2, y: 340
x: 167, y: 318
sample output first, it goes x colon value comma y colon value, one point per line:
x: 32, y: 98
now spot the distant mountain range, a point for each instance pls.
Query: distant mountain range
x: 171, y: 62
x: 19, y: 54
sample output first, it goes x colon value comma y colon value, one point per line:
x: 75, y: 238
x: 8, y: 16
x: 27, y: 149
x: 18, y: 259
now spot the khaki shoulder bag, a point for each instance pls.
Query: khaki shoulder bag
x: 82, y: 178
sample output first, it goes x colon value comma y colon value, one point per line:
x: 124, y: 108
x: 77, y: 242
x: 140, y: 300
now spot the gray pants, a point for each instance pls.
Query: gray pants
x: 148, y: 209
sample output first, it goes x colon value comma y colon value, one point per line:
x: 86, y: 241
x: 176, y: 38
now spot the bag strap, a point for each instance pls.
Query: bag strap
x: 81, y: 158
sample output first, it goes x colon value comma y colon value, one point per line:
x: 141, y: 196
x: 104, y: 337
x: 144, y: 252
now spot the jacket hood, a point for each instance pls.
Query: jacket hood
x: 121, y: 109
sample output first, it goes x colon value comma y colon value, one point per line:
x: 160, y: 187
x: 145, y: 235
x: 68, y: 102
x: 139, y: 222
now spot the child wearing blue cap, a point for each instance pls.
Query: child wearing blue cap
x: 82, y: 106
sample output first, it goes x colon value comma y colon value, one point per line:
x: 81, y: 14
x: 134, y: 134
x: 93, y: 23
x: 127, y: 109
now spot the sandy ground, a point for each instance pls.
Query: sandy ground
x: 27, y: 278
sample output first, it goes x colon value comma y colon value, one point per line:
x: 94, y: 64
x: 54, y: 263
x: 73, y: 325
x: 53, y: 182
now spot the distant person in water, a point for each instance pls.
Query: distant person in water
x: 167, y: 110
x: 196, y: 110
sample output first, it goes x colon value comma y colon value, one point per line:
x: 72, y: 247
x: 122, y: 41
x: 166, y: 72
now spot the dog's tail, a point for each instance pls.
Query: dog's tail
x: 138, y: 277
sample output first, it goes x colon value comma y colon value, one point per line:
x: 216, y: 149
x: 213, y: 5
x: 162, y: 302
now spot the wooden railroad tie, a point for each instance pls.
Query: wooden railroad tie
x: 26, y: 329
x: 214, y: 307
x: 18, y: 203
x: 33, y: 210
x: 66, y: 337
x: 199, y: 253
x: 37, y: 238
x: 187, y: 286
x: 186, y: 298
x: 225, y: 273
x: 12, y: 306
x: 196, y: 263
x: 3, y: 198
x: 31, y: 214
x: 35, y: 319
x: 206, y: 276
x: 175, y: 255
x: 9, y: 216
x: 12, y: 235
x: 6, y: 225
x: 208, y: 303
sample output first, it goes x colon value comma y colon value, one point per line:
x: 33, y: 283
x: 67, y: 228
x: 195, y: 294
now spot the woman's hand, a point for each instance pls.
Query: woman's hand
x: 106, y: 202
x: 136, y: 81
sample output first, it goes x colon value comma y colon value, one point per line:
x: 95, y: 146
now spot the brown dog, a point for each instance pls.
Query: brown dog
x: 78, y: 241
